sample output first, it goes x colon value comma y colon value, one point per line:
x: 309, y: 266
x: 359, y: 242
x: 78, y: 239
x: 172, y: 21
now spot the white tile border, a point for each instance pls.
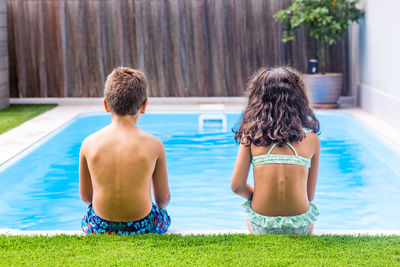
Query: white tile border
x: 17, y: 140
x: 29, y: 133
x: 384, y: 129
x: 23, y: 137
x: 380, y: 103
x: 15, y: 232
x: 155, y: 100
x: 344, y: 101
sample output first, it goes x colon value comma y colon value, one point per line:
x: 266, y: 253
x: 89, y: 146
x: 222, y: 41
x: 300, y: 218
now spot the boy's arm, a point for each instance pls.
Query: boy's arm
x: 85, y: 181
x: 160, y: 179
x: 240, y: 173
x: 313, y: 172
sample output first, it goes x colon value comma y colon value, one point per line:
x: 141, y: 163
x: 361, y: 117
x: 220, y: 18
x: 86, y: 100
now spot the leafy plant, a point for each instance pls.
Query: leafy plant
x: 326, y: 21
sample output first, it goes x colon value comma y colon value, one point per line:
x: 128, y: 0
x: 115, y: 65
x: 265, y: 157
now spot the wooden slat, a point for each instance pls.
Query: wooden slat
x: 3, y: 19
x: 3, y: 49
x: 3, y: 6
x: 10, y: 50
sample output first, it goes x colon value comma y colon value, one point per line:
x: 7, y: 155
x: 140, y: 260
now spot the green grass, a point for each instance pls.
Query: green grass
x: 15, y: 115
x: 176, y: 250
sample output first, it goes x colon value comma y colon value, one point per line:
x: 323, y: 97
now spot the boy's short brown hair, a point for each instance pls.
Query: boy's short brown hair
x: 125, y: 90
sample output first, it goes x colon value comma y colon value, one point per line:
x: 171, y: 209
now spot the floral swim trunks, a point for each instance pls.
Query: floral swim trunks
x: 157, y: 221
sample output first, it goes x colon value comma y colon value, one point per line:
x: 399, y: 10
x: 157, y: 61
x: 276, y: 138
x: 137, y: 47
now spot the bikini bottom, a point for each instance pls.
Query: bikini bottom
x: 298, y: 224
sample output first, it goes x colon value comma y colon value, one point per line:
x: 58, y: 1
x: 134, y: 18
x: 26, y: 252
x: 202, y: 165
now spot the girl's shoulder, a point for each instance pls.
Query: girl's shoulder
x: 310, y: 134
x: 313, y: 140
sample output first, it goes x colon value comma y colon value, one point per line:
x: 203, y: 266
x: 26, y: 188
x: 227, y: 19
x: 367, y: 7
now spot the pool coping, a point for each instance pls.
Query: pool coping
x: 15, y: 232
x: 24, y: 137
x: 15, y: 141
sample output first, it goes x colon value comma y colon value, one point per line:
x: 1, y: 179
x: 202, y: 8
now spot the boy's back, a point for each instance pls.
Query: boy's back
x: 121, y: 159
x: 120, y: 163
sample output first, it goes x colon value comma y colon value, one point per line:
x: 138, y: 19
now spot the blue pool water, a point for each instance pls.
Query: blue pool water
x: 358, y: 184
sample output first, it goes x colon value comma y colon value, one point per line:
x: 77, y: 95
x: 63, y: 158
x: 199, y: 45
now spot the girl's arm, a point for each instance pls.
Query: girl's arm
x: 85, y: 180
x: 313, y: 172
x: 240, y: 173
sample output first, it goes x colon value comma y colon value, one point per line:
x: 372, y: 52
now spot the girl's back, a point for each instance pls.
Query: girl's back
x: 278, y: 136
x: 281, y: 189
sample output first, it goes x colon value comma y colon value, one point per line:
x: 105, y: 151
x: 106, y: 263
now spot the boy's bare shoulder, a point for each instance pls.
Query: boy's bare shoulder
x: 151, y: 138
x: 92, y: 139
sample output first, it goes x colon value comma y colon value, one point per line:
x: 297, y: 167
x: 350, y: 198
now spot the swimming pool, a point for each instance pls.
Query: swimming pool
x: 358, y: 185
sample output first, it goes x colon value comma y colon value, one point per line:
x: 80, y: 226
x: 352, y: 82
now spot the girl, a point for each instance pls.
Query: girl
x: 278, y: 136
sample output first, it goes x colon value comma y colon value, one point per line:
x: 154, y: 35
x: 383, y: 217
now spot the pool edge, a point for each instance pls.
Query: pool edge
x: 19, y: 139
x: 16, y: 232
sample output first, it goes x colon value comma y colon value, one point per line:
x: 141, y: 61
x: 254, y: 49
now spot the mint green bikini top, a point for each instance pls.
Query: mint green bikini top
x: 282, y: 159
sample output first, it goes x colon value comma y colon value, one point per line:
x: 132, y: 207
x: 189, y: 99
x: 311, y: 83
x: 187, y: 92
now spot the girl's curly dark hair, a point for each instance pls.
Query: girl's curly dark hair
x: 277, y: 109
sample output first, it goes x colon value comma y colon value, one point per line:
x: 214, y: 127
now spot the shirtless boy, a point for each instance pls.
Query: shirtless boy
x: 119, y: 163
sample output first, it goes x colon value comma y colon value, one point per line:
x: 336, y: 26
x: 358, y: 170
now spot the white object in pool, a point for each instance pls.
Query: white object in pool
x: 213, y: 120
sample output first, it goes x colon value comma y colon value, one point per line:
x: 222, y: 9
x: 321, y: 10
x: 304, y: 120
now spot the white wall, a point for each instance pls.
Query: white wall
x: 377, y: 60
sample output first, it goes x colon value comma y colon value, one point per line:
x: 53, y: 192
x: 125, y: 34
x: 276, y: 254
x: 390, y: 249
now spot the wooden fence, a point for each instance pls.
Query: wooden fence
x: 66, y: 48
x: 4, y: 89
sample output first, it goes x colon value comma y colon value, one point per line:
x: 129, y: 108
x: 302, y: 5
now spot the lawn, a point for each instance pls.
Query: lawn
x: 177, y: 250
x: 15, y: 115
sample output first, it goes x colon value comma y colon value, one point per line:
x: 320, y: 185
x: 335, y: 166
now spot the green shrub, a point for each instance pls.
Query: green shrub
x: 326, y: 21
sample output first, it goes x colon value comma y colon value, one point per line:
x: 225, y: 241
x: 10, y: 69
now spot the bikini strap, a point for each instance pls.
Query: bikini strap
x: 294, y: 150
x: 272, y: 147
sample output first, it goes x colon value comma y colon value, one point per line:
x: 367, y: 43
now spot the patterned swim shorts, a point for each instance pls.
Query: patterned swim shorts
x: 157, y: 221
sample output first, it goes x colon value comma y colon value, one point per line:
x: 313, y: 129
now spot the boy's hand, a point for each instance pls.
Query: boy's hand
x: 85, y: 180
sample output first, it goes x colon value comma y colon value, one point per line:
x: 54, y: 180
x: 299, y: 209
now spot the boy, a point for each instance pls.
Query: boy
x: 119, y: 163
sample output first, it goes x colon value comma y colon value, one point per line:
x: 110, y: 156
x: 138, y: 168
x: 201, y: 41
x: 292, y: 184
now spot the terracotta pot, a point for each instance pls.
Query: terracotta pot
x: 324, y: 88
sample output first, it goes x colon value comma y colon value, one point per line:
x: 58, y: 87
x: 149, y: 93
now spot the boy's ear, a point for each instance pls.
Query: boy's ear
x: 105, y: 105
x: 143, y: 107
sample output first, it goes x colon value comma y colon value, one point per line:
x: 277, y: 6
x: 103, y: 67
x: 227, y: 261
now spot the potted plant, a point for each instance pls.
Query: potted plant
x: 326, y: 21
